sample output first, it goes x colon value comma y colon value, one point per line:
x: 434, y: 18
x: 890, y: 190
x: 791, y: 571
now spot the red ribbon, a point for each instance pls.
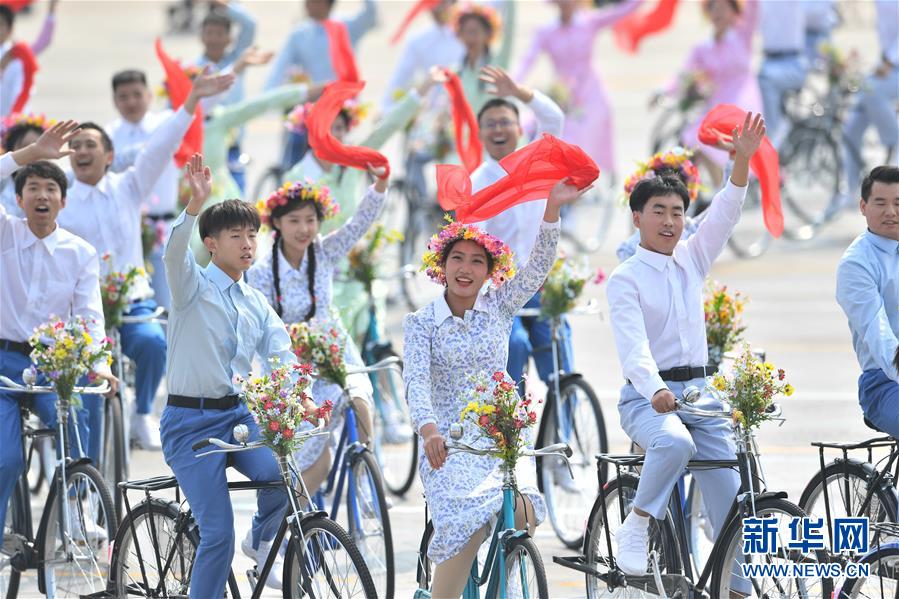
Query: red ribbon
x: 178, y: 85
x: 630, y: 31
x: 718, y: 125
x: 318, y: 123
x: 420, y: 7
x: 23, y: 52
x: 341, y: 51
x: 16, y: 5
x: 532, y: 172
x: 468, y: 147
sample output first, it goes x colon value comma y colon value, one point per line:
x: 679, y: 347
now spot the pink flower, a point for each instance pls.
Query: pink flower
x: 288, y: 433
x: 600, y: 277
x: 484, y: 420
x: 273, y: 426
x: 498, y: 376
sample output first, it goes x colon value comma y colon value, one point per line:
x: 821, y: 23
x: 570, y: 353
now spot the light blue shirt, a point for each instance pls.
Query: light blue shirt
x: 241, y: 17
x: 216, y: 324
x: 868, y: 292
x: 307, y: 48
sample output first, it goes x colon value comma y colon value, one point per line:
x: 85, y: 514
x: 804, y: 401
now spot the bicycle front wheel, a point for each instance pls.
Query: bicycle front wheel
x: 75, y: 544
x: 883, y: 576
x: 369, y: 522
x: 810, y: 168
x: 525, y: 573
x: 329, y: 565
x: 729, y: 576
x: 576, y: 419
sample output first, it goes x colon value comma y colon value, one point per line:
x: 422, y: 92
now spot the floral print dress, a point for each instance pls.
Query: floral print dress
x: 296, y: 302
x: 439, y: 359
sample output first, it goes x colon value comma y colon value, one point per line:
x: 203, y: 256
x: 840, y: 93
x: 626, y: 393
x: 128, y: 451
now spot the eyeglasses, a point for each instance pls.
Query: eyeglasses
x: 500, y: 124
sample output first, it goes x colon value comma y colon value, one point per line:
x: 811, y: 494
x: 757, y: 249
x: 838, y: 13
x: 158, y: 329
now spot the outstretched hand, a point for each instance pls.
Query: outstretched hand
x: 500, y: 83
x: 205, y: 86
x: 380, y: 175
x: 746, y: 140
x: 49, y: 144
x: 436, y: 76
x: 199, y: 177
x: 252, y: 56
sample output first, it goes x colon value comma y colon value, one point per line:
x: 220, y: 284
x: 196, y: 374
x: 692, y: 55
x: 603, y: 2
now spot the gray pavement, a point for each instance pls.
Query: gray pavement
x: 792, y: 313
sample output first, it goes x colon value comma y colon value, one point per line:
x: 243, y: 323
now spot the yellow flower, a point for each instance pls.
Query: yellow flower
x: 88, y: 339
x: 487, y: 409
x: 788, y: 389
x: 719, y: 383
x: 738, y: 417
x: 769, y: 366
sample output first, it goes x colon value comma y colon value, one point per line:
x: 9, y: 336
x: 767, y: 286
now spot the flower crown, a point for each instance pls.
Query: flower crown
x: 17, y: 119
x: 676, y: 159
x: 503, y: 265
x: 352, y: 110
x: 299, y: 191
x: 460, y: 11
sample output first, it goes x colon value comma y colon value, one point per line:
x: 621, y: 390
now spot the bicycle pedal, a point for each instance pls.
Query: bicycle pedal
x: 253, y: 577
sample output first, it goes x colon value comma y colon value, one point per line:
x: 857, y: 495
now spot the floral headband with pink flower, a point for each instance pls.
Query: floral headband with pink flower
x: 18, y: 119
x: 677, y: 159
x: 487, y: 13
x: 503, y: 264
x: 299, y: 191
x: 352, y: 110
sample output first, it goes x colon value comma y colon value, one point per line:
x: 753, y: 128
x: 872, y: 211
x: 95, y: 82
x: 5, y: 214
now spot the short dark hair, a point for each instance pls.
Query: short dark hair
x: 655, y: 187
x: 228, y: 214
x: 128, y: 76
x: 43, y: 169
x: 879, y: 174
x: 216, y: 17
x: 17, y: 132
x: 104, y: 136
x: 498, y: 103
x: 7, y: 15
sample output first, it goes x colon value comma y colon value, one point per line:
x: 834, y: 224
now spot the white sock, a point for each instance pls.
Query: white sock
x: 635, y: 519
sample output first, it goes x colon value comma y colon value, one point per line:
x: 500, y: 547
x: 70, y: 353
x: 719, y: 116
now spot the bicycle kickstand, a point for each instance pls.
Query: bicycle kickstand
x: 654, y: 563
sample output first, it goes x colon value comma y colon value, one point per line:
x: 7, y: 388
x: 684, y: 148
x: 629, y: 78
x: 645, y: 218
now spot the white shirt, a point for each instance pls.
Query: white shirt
x: 782, y: 24
x: 821, y: 15
x: 128, y: 138
x: 518, y: 226
x: 39, y: 278
x: 655, y: 300
x: 11, y: 82
x: 107, y: 215
x: 888, y: 29
x: 435, y: 45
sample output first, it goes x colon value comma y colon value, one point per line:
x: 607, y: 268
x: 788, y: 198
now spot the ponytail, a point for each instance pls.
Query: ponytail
x: 310, y: 272
x: 276, y: 275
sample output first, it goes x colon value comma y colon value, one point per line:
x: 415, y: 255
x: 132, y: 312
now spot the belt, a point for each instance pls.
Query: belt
x: 16, y: 346
x: 781, y: 53
x: 204, y: 403
x: 682, y: 374
x: 159, y: 217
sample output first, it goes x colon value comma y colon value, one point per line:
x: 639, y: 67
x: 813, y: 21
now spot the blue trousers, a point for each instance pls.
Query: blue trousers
x: 777, y: 76
x: 533, y: 336
x: 295, y: 148
x: 878, y: 395
x: 874, y: 105
x: 206, y: 488
x: 145, y: 344
x: 12, y: 460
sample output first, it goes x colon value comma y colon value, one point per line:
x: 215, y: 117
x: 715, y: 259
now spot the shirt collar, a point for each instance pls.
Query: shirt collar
x: 442, y: 310
x: 221, y: 279
x: 890, y: 246
x: 654, y: 259
x: 80, y: 187
x: 51, y: 241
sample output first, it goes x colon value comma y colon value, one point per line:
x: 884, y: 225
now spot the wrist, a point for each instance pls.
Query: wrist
x: 525, y: 94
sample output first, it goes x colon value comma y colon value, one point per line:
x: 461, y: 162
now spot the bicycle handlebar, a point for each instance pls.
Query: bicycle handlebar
x: 7, y: 384
x: 156, y: 316
x: 389, y: 362
x: 241, y: 432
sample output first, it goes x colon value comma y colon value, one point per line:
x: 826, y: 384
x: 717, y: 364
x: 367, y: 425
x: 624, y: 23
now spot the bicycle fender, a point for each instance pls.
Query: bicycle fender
x: 570, y: 376
x: 509, y: 534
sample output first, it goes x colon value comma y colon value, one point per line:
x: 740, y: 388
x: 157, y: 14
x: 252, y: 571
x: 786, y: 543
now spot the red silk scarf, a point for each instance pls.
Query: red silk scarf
x: 631, y: 30
x: 178, y: 86
x: 468, y: 146
x: 16, y: 5
x: 341, y: 51
x: 23, y: 52
x: 420, y: 7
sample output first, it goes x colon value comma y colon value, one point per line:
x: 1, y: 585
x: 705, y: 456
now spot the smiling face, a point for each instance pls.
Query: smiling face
x: 467, y: 268
x: 499, y: 130
x: 41, y: 201
x: 298, y: 227
x: 881, y: 211
x: 722, y: 15
x: 216, y: 39
x: 89, y: 159
x: 661, y: 223
x: 132, y: 100
x: 474, y: 35
x: 233, y: 249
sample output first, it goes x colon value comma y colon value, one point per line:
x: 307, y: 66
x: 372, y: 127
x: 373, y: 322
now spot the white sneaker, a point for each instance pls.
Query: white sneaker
x: 274, y: 576
x: 396, y: 431
x: 145, y: 433
x: 246, y: 546
x: 632, y: 552
x: 85, y: 531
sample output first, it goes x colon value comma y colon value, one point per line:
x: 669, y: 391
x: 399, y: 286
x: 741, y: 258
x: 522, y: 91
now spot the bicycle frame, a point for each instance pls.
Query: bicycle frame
x: 348, y: 446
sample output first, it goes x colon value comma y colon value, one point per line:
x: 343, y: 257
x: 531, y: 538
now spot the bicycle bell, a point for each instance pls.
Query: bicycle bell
x: 29, y: 376
x: 455, y: 431
x: 241, y: 433
x: 691, y: 394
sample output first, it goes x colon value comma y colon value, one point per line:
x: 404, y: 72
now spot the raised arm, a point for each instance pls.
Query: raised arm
x: 598, y: 18
x: 530, y: 56
x: 550, y: 118
x: 245, y: 20
x: 748, y: 21
x: 504, y: 56
x: 862, y: 302
x: 362, y: 22
x: 337, y: 244
x: 45, y: 37
x: 181, y: 270
x: 236, y: 115
x: 283, y: 62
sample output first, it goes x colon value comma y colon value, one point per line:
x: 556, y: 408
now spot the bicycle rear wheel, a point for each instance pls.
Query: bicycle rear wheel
x: 576, y: 419
x: 728, y: 579
x: 396, y: 446
x: 76, y: 554
x: 369, y: 521
x: 525, y: 572
x: 330, y: 564
x: 810, y: 169
x: 883, y: 576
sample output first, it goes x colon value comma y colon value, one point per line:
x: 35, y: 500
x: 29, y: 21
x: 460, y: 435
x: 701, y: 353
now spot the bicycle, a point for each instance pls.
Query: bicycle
x: 70, y: 549
x: 355, y: 465
x: 571, y: 415
x: 157, y: 541
x: 671, y: 572
x: 513, y: 566
x: 883, y: 568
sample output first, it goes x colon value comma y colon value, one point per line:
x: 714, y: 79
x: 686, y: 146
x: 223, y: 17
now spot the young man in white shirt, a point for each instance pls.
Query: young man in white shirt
x: 44, y: 271
x: 104, y: 210
x: 655, y: 300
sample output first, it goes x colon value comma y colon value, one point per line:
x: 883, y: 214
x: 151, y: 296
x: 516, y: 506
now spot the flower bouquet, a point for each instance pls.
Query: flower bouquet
x: 65, y: 351
x: 114, y: 288
x: 693, y: 87
x: 723, y: 320
x: 563, y: 286
x: 365, y: 256
x: 280, y: 405
x: 496, y: 410
x: 321, y: 345
x: 751, y: 388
